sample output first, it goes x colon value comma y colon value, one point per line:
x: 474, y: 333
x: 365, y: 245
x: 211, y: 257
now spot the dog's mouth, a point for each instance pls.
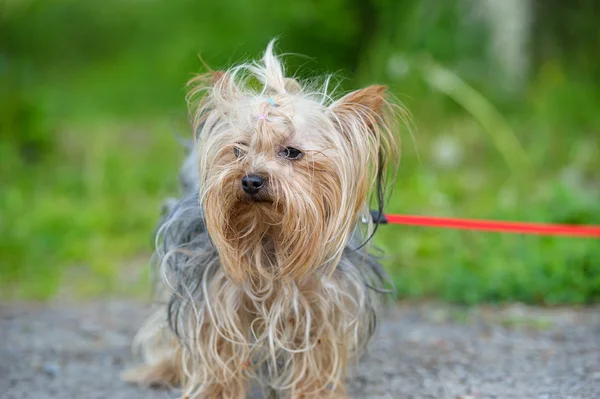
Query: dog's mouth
x: 257, y: 198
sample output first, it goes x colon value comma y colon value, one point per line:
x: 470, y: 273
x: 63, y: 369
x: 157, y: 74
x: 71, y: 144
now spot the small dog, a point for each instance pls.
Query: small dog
x: 265, y: 274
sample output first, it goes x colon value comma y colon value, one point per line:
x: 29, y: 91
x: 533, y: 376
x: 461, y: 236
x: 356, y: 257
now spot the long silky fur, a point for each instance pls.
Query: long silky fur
x: 236, y: 309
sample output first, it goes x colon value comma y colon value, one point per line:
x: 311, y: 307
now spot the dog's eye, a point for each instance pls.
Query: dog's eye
x: 291, y: 153
x: 238, y: 149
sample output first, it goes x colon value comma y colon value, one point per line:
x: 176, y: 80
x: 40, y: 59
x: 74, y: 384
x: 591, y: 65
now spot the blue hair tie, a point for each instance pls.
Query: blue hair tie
x: 270, y: 100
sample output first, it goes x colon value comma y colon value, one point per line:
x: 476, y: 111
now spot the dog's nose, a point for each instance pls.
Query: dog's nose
x: 252, y: 184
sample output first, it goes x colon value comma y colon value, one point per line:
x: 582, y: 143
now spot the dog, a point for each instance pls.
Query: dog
x: 266, y: 276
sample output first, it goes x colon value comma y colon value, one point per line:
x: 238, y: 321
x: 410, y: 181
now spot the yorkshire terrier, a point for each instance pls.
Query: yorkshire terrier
x: 266, y: 277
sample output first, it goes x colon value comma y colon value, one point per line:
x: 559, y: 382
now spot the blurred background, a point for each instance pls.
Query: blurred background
x: 504, y: 97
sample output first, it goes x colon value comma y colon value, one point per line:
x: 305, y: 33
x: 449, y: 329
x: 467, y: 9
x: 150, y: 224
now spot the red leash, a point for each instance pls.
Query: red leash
x: 493, y: 225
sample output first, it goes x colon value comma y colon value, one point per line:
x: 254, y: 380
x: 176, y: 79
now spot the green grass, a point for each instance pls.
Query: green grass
x: 84, y: 217
x: 91, y: 209
x: 558, y: 184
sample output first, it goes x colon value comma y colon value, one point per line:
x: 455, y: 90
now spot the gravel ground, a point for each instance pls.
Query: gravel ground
x: 422, y: 351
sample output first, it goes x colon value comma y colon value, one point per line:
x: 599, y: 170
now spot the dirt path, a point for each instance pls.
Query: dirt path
x: 422, y: 351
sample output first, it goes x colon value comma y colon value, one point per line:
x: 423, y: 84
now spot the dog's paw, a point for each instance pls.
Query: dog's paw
x: 161, y: 375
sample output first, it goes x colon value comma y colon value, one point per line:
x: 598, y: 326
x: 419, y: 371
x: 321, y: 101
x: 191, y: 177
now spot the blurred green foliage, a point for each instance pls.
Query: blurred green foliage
x: 90, y: 92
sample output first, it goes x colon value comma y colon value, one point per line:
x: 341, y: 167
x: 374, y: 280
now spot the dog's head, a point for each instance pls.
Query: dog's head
x: 285, y: 171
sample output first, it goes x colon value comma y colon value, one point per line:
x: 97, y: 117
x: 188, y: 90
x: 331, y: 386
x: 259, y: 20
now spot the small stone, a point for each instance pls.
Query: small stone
x: 90, y: 330
x: 51, y: 369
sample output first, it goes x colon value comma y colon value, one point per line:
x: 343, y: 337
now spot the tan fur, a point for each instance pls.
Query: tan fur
x: 276, y: 299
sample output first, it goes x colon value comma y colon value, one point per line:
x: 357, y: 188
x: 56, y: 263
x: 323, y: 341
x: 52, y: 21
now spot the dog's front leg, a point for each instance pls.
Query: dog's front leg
x: 218, y: 391
x: 220, y: 375
x: 324, y: 378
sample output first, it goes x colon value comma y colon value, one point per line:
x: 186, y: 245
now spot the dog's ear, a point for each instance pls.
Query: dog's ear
x: 218, y: 78
x: 208, y: 92
x: 222, y: 85
x: 368, y: 121
x: 367, y: 105
x: 217, y: 83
